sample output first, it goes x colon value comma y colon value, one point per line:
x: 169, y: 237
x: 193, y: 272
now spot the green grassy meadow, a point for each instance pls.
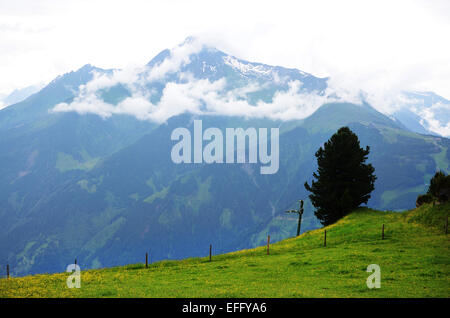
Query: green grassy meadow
x: 414, y: 260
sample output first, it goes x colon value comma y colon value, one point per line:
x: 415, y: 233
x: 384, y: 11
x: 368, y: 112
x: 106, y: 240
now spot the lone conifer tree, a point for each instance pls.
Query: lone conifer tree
x: 343, y: 180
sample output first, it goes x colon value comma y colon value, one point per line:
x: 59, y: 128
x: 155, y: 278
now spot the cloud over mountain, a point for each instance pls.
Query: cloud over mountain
x: 183, y: 91
x: 196, y: 78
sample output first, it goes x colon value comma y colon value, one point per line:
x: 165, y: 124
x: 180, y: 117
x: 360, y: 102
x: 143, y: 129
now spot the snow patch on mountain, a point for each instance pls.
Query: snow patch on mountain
x: 247, y: 68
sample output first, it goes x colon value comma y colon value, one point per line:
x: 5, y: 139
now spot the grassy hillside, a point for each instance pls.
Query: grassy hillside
x: 414, y: 259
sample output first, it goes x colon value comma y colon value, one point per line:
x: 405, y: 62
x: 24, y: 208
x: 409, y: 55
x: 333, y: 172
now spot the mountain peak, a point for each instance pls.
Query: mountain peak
x: 189, y: 39
x: 86, y: 67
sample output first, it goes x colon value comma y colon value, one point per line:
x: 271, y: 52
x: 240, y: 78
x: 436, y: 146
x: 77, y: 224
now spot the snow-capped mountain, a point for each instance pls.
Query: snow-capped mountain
x: 195, y: 78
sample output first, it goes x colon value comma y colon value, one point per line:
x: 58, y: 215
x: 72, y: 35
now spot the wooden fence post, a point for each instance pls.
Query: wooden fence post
x: 446, y: 226
x: 382, y: 232
x: 268, y: 244
x: 210, y: 251
x: 325, y: 238
x: 7, y: 271
x: 146, y: 260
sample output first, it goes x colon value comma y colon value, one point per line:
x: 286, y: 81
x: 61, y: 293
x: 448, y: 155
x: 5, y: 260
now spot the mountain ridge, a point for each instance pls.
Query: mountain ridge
x: 76, y: 184
x: 203, y: 60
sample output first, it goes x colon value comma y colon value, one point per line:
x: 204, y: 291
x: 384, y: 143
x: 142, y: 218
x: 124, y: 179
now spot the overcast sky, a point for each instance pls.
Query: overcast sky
x: 381, y: 45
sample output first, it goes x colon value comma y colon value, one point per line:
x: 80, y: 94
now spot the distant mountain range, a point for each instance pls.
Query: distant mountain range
x: 19, y: 95
x: 86, y: 173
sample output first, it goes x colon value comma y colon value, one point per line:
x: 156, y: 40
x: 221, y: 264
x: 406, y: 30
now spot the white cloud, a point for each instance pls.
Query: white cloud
x: 432, y: 123
x: 374, y: 49
x: 179, y: 56
x: 201, y: 96
x: 368, y: 43
x: 285, y: 105
x: 198, y: 96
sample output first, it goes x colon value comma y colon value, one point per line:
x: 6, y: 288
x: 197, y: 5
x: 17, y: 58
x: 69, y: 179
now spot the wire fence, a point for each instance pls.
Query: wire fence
x: 6, y: 274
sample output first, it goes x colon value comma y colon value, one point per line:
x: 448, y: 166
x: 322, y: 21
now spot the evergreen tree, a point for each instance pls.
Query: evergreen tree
x: 440, y: 186
x: 343, y: 180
